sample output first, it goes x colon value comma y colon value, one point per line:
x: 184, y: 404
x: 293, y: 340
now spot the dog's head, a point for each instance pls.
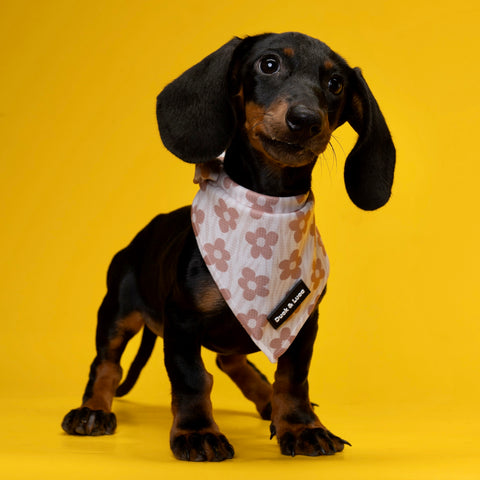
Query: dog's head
x: 284, y: 95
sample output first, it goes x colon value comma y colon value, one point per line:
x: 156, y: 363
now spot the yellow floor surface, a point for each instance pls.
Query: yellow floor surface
x: 402, y: 442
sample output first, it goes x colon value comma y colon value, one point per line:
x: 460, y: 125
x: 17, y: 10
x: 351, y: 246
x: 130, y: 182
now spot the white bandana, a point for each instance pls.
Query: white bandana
x: 264, y: 253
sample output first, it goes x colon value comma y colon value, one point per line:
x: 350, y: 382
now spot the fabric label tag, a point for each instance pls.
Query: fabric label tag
x: 289, y: 304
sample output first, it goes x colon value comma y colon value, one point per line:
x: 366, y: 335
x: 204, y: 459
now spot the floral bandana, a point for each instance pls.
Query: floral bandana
x: 264, y: 253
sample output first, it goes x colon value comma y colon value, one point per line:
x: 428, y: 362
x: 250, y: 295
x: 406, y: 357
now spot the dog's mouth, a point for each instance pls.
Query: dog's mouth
x: 289, y: 147
x: 289, y: 153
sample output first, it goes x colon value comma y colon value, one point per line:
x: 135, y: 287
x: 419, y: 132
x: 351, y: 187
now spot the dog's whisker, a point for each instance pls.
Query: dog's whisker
x: 334, y: 154
x: 339, y: 144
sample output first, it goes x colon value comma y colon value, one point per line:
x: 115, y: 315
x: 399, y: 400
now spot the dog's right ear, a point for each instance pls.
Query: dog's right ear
x: 194, y: 113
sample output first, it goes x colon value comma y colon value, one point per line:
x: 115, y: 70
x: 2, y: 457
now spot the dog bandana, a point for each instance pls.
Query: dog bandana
x: 264, y: 253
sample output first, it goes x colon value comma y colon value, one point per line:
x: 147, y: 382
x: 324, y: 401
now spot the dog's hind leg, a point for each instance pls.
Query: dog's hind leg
x: 115, y: 328
x: 253, y: 383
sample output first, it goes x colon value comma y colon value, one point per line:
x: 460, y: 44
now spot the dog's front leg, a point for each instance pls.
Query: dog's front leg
x: 298, y: 429
x: 194, y: 435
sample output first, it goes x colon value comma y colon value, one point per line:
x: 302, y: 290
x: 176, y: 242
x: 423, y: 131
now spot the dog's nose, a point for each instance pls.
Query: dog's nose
x: 301, y: 119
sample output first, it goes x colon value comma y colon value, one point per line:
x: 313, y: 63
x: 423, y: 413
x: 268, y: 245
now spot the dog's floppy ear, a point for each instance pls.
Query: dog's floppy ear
x: 370, y: 165
x: 194, y: 113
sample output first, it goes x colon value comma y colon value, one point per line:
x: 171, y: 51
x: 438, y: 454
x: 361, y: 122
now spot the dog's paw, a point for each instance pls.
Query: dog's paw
x: 202, y: 447
x: 309, y: 441
x: 84, y: 421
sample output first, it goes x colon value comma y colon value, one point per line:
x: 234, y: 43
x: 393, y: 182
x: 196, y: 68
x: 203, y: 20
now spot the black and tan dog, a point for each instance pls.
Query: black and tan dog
x: 271, y: 103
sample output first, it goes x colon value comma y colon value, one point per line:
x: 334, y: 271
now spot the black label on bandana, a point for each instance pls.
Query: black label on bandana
x: 289, y: 304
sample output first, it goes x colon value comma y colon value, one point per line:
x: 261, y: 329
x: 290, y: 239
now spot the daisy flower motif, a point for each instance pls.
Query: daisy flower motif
x: 253, y: 323
x: 318, y: 273
x: 226, y: 293
x: 291, y: 266
x: 281, y: 344
x: 300, y: 225
x: 252, y: 284
x: 316, y: 234
x: 198, y: 217
x: 261, y: 242
x: 227, y: 182
x: 312, y: 306
x: 322, y: 246
x: 227, y: 216
x: 260, y: 204
x: 217, y: 255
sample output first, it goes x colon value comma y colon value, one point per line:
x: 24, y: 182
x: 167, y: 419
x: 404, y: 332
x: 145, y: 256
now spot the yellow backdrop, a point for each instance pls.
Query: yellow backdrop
x: 82, y: 167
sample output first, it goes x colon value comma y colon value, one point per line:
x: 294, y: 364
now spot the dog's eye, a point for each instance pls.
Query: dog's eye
x: 335, y: 85
x: 269, y: 65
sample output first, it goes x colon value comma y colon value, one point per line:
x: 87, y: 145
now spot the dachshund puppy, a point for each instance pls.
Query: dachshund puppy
x: 270, y: 103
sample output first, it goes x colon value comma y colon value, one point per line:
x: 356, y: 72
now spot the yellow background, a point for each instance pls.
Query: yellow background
x: 396, y: 365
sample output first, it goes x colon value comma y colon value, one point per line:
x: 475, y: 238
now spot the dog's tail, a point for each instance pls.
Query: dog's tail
x: 143, y: 354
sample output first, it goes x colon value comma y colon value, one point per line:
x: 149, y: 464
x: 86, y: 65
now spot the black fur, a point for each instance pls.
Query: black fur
x: 369, y: 167
x: 272, y: 123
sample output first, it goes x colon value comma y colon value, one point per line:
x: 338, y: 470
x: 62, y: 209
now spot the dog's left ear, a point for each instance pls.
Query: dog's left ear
x: 370, y: 165
x: 194, y: 112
